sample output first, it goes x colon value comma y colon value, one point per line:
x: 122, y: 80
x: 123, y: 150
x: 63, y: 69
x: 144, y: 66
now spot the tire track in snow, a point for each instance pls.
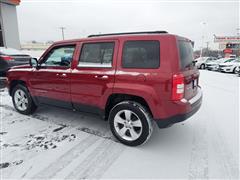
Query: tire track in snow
x: 198, y: 168
x: 229, y: 166
x: 66, y: 158
x: 96, y: 163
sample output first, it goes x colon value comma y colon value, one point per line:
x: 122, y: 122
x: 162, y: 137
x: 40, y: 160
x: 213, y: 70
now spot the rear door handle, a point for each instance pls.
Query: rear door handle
x: 101, y: 76
x: 61, y: 75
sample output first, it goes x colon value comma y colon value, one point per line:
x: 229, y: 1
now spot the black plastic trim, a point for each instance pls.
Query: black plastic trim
x: 164, y: 123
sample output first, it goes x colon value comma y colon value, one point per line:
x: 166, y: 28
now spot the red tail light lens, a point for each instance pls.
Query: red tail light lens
x: 177, y: 87
x: 6, y: 58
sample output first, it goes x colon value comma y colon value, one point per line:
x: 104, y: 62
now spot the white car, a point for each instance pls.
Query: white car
x: 214, y: 65
x: 229, y: 66
x: 201, y: 61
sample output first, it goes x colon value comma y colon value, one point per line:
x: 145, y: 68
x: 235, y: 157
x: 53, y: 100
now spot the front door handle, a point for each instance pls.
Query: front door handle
x: 101, y: 77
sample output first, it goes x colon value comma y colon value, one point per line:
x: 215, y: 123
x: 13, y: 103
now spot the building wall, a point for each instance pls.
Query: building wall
x: 8, y: 15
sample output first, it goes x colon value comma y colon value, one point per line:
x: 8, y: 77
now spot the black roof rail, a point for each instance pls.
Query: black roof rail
x: 143, y: 32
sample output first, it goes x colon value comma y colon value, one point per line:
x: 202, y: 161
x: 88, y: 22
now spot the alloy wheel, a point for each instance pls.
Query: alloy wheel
x: 21, y: 100
x: 128, y: 125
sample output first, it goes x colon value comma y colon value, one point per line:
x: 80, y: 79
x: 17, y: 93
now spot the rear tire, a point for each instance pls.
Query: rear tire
x: 130, y: 123
x: 22, y: 100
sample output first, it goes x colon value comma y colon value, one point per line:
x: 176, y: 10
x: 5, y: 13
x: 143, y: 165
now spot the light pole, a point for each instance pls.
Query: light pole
x: 62, y: 28
x: 238, y: 31
x: 203, y: 24
x: 207, y: 47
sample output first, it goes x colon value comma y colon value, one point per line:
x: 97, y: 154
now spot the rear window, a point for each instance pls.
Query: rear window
x: 141, y: 54
x: 186, y: 54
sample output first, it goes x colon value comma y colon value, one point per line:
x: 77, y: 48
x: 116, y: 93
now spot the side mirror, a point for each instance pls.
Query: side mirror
x: 33, y: 62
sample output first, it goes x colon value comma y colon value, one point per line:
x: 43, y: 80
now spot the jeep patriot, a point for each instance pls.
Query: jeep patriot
x: 129, y: 79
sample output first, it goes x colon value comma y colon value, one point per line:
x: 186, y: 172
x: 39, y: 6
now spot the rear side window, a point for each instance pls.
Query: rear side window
x: 141, y: 54
x: 186, y: 54
x: 96, y: 55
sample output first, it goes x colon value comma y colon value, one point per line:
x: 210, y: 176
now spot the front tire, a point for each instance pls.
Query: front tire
x: 202, y: 66
x: 235, y: 70
x: 22, y: 100
x: 130, y: 123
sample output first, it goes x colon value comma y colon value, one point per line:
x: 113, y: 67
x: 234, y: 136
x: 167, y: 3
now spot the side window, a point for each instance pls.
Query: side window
x: 96, y: 54
x: 141, y: 54
x: 60, y: 56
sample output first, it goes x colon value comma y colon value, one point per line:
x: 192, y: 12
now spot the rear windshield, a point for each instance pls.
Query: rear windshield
x: 186, y: 54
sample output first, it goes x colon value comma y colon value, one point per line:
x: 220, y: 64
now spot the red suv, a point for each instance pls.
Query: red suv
x: 130, y: 79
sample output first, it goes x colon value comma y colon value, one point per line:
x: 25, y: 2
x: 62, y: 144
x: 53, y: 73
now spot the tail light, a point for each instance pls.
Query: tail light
x: 177, y: 87
x: 6, y: 58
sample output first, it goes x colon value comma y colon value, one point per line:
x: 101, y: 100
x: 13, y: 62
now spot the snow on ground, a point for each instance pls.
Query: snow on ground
x: 59, y: 143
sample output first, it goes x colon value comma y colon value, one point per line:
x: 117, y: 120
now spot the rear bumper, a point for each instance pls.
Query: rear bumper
x: 195, y: 104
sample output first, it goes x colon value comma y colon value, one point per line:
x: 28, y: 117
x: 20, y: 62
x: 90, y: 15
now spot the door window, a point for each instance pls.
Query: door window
x: 96, y: 55
x: 60, y: 56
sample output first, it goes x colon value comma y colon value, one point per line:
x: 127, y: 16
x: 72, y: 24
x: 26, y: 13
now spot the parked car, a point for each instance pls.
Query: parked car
x: 11, y: 57
x: 214, y: 65
x: 201, y: 61
x: 229, y: 66
x: 129, y: 79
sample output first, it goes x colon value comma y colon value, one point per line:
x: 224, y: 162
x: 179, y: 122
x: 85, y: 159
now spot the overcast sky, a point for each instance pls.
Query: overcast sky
x: 40, y: 20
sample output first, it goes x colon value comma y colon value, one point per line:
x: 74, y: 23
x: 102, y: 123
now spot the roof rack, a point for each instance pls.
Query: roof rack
x: 143, y: 32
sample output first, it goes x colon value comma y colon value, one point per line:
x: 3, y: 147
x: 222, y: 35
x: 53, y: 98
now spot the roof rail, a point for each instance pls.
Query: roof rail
x: 113, y: 34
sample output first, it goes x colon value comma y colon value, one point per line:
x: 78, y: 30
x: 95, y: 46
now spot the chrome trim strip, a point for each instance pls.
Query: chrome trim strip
x: 197, y: 97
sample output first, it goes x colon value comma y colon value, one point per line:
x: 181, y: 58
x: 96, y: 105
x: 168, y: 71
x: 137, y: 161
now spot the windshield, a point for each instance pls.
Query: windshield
x: 186, y: 54
x: 210, y: 60
x: 229, y: 60
x: 201, y: 59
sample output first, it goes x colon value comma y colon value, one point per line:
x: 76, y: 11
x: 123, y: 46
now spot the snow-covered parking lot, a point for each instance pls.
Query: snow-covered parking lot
x: 59, y: 143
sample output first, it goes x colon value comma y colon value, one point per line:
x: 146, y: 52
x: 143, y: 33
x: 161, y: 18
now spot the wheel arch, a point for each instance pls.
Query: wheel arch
x: 13, y: 84
x: 116, y: 98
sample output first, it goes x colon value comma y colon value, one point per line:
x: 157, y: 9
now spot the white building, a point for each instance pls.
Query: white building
x: 9, y: 35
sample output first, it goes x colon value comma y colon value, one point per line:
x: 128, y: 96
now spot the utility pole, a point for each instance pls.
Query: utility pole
x: 203, y: 25
x: 207, y: 47
x: 62, y: 28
